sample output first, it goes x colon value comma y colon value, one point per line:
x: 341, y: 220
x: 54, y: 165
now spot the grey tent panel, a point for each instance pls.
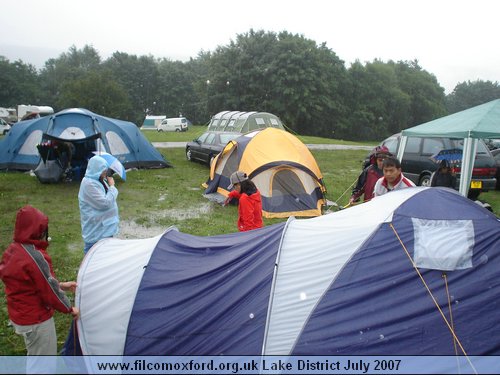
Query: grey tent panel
x: 243, y: 122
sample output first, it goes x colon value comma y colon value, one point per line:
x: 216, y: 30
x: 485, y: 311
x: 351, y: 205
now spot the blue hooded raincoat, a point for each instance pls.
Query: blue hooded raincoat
x: 98, y: 208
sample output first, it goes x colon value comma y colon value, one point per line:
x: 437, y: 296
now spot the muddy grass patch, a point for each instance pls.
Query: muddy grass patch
x: 152, y: 224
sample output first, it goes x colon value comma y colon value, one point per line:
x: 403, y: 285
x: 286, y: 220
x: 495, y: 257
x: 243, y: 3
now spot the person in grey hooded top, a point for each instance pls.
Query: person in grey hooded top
x: 97, y: 200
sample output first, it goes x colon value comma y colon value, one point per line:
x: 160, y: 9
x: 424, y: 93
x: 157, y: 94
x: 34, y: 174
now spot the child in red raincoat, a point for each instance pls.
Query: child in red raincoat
x: 250, y: 202
x: 32, y: 290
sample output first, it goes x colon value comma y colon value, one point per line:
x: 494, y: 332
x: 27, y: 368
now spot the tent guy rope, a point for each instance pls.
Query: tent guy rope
x: 433, y: 299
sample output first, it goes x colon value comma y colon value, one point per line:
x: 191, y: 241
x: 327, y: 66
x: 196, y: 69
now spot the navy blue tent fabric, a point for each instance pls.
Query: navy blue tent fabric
x: 378, y: 304
x: 205, y: 295
x: 434, y: 204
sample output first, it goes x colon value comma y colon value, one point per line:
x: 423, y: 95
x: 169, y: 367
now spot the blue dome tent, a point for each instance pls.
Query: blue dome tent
x: 87, y: 132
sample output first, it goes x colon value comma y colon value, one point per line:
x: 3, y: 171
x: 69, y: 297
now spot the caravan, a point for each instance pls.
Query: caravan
x: 152, y: 122
x: 28, y: 112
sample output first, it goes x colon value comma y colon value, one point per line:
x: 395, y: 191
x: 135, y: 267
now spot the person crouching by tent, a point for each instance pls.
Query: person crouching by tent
x: 443, y: 176
x: 31, y: 287
x: 97, y: 200
x: 393, y: 178
x: 250, y: 202
x: 369, y: 176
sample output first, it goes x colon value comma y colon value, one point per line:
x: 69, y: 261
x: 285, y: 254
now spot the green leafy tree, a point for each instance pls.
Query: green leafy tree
x: 139, y: 76
x: 198, y: 106
x: 469, y: 94
x: 176, y: 90
x: 378, y: 105
x: 19, y: 83
x: 426, y: 95
x: 285, y: 74
x: 98, y: 92
x: 71, y: 65
x: 387, y: 97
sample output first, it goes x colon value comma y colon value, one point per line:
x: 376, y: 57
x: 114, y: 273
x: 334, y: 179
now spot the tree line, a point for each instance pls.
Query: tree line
x: 304, y: 83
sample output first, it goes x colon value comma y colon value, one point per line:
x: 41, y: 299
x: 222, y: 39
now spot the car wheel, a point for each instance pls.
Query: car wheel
x: 188, y: 154
x: 177, y: 130
x: 425, y: 180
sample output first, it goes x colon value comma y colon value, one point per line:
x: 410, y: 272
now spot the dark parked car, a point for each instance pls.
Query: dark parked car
x: 208, y: 145
x: 496, y: 155
x: 418, y: 166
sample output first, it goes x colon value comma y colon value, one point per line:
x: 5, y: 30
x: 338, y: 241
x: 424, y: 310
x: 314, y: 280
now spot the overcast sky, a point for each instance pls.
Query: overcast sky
x: 456, y: 40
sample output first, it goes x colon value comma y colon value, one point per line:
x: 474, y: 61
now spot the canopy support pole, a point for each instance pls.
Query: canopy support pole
x: 402, y: 146
x: 469, y: 155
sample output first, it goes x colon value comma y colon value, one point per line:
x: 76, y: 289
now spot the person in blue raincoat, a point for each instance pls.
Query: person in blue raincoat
x: 97, y: 200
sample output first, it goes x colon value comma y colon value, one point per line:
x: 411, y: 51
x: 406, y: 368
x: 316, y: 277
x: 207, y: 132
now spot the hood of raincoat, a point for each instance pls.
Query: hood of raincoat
x: 31, y: 225
x: 95, y: 167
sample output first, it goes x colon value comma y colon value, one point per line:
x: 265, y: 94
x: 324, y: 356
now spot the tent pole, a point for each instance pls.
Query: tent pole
x: 469, y: 154
x: 402, y: 146
x: 273, y: 287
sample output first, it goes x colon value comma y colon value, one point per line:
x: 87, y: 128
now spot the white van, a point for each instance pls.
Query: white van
x: 4, y: 127
x: 176, y: 124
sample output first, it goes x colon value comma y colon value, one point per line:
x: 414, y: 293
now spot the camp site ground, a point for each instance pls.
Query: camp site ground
x: 150, y: 201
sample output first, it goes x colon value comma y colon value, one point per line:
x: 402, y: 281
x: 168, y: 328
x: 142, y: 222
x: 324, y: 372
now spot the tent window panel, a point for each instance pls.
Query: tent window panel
x: 72, y: 133
x: 29, y: 145
x: 232, y: 165
x: 444, y: 245
x: 252, y: 124
x: 238, y: 126
x: 286, y: 182
x: 116, y: 144
x: 222, y: 125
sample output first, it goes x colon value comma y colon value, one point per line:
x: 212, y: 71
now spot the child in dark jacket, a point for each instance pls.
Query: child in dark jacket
x: 443, y: 176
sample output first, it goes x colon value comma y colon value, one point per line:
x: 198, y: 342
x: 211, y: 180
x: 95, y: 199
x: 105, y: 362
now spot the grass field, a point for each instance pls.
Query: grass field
x: 150, y: 201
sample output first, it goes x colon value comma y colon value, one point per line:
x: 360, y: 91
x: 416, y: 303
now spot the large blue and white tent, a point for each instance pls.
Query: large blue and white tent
x: 87, y: 131
x: 413, y: 272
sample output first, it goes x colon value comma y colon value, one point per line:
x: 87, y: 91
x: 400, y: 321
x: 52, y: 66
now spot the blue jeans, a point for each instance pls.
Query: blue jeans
x: 87, y: 246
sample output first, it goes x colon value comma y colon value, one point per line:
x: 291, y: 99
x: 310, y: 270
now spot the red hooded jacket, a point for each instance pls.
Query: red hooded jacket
x: 249, y: 210
x: 26, y: 269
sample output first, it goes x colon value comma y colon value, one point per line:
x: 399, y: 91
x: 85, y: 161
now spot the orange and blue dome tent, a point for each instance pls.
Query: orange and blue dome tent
x: 280, y: 165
